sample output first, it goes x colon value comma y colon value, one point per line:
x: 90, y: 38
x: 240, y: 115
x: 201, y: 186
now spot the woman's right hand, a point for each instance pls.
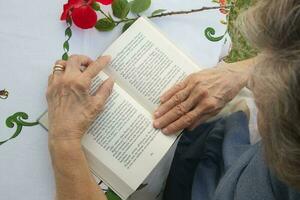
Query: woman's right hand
x: 71, y: 108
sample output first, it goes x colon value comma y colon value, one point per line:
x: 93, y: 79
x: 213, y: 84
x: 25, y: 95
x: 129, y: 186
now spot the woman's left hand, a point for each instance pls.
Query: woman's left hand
x: 199, y: 97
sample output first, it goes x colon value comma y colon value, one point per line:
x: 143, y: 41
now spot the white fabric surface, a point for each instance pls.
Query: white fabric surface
x: 31, y: 38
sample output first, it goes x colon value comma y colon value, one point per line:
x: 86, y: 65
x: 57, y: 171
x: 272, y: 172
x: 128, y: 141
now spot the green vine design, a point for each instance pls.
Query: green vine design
x: 110, y: 195
x: 210, y: 35
x: 210, y: 32
x: 18, y: 120
x: 120, y: 11
x: 68, y: 35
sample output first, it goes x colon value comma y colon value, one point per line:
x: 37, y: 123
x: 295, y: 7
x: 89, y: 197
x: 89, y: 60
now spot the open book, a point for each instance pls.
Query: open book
x: 121, y: 146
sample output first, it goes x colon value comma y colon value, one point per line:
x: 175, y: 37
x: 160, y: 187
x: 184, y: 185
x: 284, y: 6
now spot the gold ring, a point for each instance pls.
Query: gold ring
x: 58, y: 67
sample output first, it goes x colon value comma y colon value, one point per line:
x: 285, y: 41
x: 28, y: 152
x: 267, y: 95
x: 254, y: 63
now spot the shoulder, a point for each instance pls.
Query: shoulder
x: 251, y: 179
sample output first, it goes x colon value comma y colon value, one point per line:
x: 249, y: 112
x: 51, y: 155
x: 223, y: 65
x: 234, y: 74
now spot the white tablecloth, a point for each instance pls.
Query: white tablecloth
x: 31, y: 38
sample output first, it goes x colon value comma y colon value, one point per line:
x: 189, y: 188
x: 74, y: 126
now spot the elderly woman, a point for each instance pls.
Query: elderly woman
x: 213, y: 160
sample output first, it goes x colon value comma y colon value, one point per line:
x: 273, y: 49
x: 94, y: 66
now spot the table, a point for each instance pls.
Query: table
x: 31, y: 38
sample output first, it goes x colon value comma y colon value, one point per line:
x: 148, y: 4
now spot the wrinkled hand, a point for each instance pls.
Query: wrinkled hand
x: 199, y: 97
x: 71, y: 108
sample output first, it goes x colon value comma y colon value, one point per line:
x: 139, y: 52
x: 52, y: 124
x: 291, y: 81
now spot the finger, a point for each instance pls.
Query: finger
x: 190, y: 94
x: 173, y: 90
x: 59, y: 63
x: 207, y: 108
x: 180, y: 109
x: 204, y: 107
x: 169, y: 118
x: 181, y: 123
x: 177, y: 112
x: 210, y: 108
x: 50, y: 79
x: 75, y: 62
x: 103, y: 92
x: 95, y: 67
x: 174, y: 114
x: 177, y: 98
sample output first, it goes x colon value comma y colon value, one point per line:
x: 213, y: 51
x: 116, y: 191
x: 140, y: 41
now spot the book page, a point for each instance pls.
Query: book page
x: 122, y: 142
x: 145, y: 63
x: 122, y: 146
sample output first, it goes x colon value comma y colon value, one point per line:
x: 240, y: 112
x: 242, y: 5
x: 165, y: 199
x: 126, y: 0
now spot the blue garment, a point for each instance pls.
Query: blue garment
x: 217, y: 162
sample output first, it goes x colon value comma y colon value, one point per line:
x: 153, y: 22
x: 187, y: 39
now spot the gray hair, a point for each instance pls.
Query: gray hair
x: 273, y: 26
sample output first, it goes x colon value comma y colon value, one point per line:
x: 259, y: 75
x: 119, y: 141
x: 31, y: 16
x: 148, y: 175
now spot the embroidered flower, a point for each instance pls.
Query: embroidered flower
x: 81, y: 12
x: 105, y: 2
x: 223, y: 6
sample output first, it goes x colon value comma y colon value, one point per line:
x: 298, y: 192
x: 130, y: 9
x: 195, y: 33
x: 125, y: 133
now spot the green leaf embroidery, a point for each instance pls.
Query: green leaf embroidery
x: 127, y: 25
x: 68, y: 34
x: 65, y: 56
x: 120, y: 8
x: 96, y: 6
x: 105, y: 24
x: 158, y: 11
x: 110, y: 195
x: 18, y: 120
x: 210, y: 35
x: 66, y: 46
x: 138, y: 6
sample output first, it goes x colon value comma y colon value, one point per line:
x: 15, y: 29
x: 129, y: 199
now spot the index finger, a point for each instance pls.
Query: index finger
x: 75, y: 62
x: 176, y: 99
x: 189, y: 119
x: 95, y: 67
x: 172, y: 91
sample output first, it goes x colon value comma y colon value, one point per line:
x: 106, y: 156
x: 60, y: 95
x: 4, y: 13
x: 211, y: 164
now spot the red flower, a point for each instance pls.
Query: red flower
x: 223, y: 7
x: 105, y: 2
x: 222, y: 2
x: 82, y: 12
x: 84, y: 17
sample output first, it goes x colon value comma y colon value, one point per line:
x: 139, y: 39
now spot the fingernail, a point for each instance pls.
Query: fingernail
x: 165, y: 131
x: 156, y: 114
x: 156, y: 124
x: 108, y: 57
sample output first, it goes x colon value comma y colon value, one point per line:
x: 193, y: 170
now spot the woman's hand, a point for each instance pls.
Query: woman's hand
x: 71, y: 108
x: 200, y: 96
